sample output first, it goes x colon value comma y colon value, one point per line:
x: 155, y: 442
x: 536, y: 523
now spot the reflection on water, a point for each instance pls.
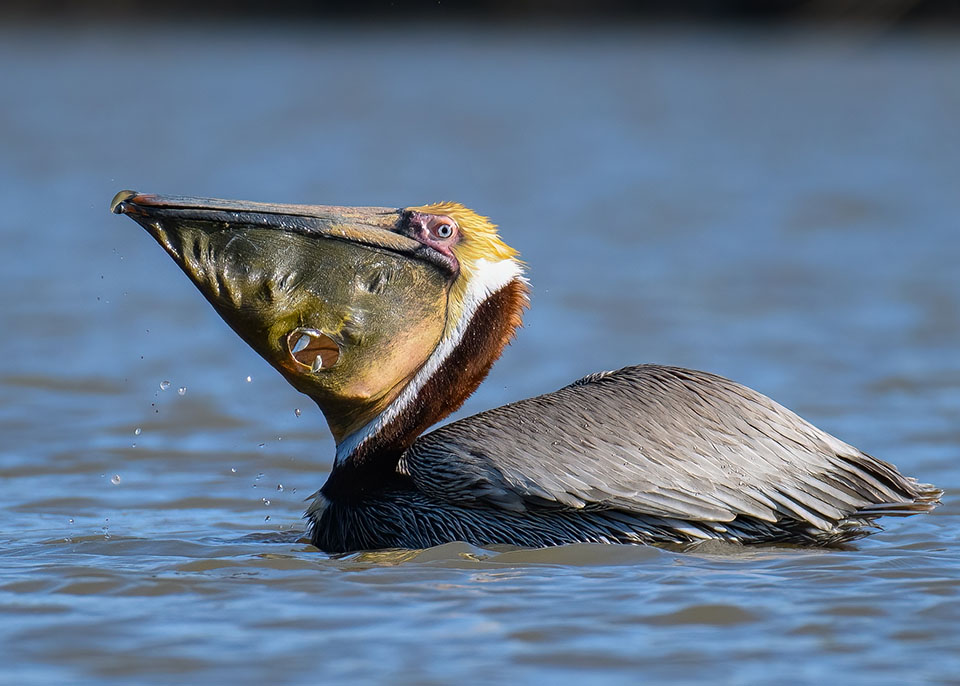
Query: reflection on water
x: 781, y: 210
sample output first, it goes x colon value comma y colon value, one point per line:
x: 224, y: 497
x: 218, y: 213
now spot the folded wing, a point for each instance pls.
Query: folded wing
x: 661, y: 442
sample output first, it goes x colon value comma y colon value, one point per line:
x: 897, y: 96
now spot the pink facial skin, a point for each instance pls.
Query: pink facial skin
x: 436, y: 231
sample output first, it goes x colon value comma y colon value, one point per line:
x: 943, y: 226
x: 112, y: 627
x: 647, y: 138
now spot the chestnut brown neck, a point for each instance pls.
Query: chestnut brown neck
x: 372, y: 465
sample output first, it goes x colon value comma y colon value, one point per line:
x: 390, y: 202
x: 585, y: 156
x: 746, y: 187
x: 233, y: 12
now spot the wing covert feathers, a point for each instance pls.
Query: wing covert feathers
x: 688, y: 451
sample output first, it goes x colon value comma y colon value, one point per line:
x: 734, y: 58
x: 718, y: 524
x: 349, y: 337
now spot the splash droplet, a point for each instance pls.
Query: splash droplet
x: 70, y: 520
x: 136, y: 432
x: 265, y: 502
x: 164, y: 385
x: 297, y: 411
x: 233, y: 470
x: 249, y: 379
x: 115, y: 479
x: 279, y: 487
x: 182, y: 390
x: 267, y: 518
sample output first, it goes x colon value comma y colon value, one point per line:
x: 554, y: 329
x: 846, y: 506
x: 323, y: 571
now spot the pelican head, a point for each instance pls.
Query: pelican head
x: 388, y: 318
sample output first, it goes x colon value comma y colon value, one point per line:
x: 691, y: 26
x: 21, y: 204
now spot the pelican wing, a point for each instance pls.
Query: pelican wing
x: 663, y: 442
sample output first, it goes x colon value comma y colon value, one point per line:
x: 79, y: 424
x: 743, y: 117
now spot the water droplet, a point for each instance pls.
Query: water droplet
x: 293, y: 490
x: 182, y: 390
x: 279, y: 487
x: 70, y: 520
x: 115, y: 479
x: 265, y: 502
x: 260, y: 475
x: 164, y: 385
x: 233, y: 470
x: 261, y: 445
x: 136, y: 432
x: 297, y: 411
x: 267, y: 518
x: 249, y: 379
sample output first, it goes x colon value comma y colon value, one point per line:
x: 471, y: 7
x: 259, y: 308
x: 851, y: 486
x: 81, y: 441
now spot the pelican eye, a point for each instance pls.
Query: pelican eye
x: 439, y: 227
x: 312, y: 349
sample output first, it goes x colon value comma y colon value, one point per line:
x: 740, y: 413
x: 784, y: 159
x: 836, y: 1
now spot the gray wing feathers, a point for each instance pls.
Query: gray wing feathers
x: 659, y: 441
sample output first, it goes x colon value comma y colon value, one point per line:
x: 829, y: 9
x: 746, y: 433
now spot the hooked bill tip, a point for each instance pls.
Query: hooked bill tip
x: 117, y: 204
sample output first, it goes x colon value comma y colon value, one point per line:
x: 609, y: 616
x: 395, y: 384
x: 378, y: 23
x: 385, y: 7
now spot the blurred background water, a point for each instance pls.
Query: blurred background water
x: 776, y: 204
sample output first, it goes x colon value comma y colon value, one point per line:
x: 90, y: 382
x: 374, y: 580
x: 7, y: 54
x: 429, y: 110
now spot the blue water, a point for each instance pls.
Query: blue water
x: 780, y: 208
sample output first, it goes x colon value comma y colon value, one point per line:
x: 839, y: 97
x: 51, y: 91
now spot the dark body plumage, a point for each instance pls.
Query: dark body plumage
x: 646, y: 454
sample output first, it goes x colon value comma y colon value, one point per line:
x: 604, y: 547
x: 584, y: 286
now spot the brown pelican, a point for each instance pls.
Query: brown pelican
x: 390, y: 318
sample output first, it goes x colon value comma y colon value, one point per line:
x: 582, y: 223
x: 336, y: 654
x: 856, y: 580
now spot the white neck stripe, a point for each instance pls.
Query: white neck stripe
x: 488, y: 278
